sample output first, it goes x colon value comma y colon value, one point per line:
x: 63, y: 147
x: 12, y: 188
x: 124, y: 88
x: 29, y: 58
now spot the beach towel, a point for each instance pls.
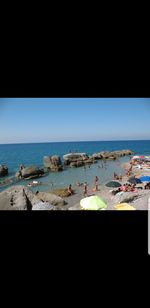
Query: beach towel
x: 42, y: 206
x: 124, y: 207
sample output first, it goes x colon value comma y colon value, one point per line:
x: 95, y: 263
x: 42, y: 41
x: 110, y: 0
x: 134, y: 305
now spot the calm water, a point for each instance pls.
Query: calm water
x: 32, y: 154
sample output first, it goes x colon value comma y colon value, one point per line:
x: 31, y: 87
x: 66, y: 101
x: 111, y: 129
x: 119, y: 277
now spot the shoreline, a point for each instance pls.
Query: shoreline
x: 73, y: 202
x: 140, y: 200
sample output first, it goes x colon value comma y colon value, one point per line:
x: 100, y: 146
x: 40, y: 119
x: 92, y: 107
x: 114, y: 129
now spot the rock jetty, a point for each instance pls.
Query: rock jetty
x: 80, y: 159
x: 77, y: 159
x: 112, y: 155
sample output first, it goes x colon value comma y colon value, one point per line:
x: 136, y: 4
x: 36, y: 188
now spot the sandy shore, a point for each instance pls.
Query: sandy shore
x: 140, y: 200
x: 137, y: 199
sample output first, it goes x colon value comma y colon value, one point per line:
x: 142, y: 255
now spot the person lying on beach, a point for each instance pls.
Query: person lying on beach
x: 124, y: 188
x: 70, y: 191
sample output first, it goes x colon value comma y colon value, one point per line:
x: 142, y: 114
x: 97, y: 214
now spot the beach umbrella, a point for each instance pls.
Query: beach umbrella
x: 93, y: 203
x: 145, y: 178
x: 113, y: 184
x: 124, y: 207
x: 134, y: 181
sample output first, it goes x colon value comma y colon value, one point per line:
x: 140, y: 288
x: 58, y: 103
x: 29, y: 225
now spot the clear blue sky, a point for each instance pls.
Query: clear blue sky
x: 73, y: 119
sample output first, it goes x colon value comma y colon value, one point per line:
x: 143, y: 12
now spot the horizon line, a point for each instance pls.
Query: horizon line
x: 41, y: 142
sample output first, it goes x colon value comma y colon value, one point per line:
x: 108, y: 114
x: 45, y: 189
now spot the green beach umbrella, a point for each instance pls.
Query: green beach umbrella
x: 113, y: 184
x: 93, y: 203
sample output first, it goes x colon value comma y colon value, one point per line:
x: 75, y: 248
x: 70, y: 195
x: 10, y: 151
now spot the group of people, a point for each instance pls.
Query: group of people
x: 125, y: 188
x: 85, y: 185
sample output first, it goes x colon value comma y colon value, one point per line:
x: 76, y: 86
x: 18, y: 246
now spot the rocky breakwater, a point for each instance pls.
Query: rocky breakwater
x: 112, y: 155
x: 3, y: 170
x: 53, y: 163
x: 29, y: 172
x: 77, y: 159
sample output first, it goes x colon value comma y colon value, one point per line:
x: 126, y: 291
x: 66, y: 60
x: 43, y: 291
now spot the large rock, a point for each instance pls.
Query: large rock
x: 97, y: 156
x: 125, y: 197
x: 20, y: 197
x: 17, y: 198
x: 75, y: 159
x: 3, y: 170
x: 51, y: 198
x: 90, y: 161
x: 77, y: 164
x: 53, y: 163
x: 31, y: 172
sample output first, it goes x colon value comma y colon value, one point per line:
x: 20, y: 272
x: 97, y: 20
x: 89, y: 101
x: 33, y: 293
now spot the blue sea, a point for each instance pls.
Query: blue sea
x: 13, y: 155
